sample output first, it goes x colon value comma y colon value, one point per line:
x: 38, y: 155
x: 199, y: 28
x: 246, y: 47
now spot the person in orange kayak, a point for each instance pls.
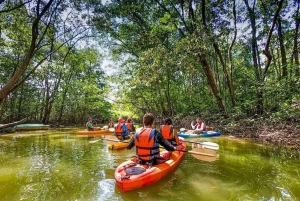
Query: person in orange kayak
x: 90, y: 127
x: 198, y: 128
x: 121, y: 131
x: 147, y: 141
x: 167, y: 131
x: 129, y: 125
x: 111, y: 124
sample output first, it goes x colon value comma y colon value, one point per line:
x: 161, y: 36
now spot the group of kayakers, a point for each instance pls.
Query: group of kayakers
x: 147, y: 139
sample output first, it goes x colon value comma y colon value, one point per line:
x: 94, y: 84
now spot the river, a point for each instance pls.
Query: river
x: 59, y: 165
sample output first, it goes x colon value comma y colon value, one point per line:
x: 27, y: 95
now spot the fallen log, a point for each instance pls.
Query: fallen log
x: 13, y: 123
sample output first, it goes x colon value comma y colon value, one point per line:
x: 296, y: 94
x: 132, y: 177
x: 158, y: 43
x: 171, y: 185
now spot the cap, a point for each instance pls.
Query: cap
x: 129, y: 120
x: 121, y: 120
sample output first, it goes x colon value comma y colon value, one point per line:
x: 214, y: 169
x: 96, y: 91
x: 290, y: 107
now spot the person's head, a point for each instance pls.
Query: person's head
x: 198, y: 120
x: 168, y: 121
x: 121, y: 120
x: 90, y: 119
x: 129, y: 120
x: 148, y: 119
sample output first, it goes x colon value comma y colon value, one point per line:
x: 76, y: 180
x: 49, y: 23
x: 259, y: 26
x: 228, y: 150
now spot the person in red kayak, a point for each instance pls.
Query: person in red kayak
x: 198, y: 128
x: 147, y: 141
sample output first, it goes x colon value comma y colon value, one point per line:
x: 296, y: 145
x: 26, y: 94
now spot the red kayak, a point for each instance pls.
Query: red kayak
x: 131, y: 175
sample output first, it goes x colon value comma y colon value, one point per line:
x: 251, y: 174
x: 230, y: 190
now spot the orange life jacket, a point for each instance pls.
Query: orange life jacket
x: 166, y: 131
x: 129, y: 126
x: 118, y: 130
x: 146, y: 147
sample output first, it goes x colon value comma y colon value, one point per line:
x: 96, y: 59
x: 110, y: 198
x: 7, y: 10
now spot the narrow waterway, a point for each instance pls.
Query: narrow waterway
x: 59, y: 165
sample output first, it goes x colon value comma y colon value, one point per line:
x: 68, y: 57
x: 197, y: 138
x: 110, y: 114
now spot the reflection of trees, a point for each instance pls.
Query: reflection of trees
x: 64, y: 167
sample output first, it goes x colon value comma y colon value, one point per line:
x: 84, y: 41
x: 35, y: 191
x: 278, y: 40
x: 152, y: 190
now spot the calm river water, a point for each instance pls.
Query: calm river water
x: 58, y: 165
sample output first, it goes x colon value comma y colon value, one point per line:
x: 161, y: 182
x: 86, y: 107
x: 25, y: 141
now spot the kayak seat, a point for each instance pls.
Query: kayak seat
x: 135, y: 170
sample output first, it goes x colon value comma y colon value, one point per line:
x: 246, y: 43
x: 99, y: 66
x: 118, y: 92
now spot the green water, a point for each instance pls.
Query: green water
x: 58, y: 165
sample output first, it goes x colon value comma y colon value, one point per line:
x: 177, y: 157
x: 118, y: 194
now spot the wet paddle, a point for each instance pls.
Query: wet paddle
x: 94, y: 140
x: 112, y: 140
x: 208, y: 145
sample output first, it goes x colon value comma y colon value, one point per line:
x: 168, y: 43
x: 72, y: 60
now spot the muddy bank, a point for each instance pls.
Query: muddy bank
x: 283, y: 134
x: 280, y: 135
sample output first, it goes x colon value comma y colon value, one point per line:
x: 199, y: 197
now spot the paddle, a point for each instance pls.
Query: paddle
x: 199, y: 153
x: 112, y: 140
x: 94, y: 140
x: 208, y: 145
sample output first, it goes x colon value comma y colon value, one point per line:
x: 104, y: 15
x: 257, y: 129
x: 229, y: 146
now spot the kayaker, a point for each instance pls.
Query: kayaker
x: 198, y: 128
x: 129, y: 125
x: 111, y: 124
x: 147, y: 141
x: 121, y: 131
x: 90, y: 127
x: 167, y: 131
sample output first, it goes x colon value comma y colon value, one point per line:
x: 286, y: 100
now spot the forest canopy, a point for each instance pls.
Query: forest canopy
x: 229, y: 58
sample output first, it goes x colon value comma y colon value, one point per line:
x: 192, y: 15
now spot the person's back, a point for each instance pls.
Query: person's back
x: 121, y: 131
x: 147, y: 141
x: 146, y: 146
x: 167, y: 130
x: 129, y: 125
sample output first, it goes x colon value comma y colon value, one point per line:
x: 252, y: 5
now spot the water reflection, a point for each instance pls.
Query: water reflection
x: 58, y: 165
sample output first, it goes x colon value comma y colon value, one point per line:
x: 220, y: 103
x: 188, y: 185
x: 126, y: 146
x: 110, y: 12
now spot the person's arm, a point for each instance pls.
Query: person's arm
x: 201, y: 128
x: 166, y: 144
x: 130, y: 144
x: 193, y: 126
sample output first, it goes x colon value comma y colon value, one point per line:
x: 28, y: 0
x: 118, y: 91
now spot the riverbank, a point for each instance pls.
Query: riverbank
x: 283, y: 135
x: 264, y: 130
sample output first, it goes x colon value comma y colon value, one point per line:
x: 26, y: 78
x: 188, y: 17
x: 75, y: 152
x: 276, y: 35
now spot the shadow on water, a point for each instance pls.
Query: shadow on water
x: 58, y: 165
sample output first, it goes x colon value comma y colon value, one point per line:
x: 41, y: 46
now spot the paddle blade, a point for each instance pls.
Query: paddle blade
x: 94, y: 140
x: 205, y: 150
x: 202, y: 157
x: 110, y: 141
x: 176, y: 136
x: 210, y: 145
x: 203, y: 154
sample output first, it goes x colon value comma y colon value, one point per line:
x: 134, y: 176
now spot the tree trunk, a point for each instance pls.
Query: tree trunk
x: 295, y: 55
x: 282, y: 49
x: 6, y: 89
x: 211, y: 82
x: 13, y: 123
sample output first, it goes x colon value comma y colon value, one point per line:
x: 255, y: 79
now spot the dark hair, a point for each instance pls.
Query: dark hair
x: 148, y: 119
x: 168, y: 121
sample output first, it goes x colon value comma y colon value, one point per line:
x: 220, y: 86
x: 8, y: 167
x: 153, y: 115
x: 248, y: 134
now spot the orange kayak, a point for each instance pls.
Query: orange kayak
x: 119, y: 144
x: 131, y: 175
x: 94, y: 133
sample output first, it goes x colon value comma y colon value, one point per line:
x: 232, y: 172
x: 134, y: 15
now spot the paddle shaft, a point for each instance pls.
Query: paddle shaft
x: 196, y: 152
x: 213, y: 146
x: 192, y: 152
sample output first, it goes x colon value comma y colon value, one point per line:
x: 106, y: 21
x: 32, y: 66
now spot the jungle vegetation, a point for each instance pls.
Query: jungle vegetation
x: 222, y: 59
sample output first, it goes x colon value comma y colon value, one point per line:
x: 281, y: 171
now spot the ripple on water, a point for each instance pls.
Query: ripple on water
x: 106, y: 190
